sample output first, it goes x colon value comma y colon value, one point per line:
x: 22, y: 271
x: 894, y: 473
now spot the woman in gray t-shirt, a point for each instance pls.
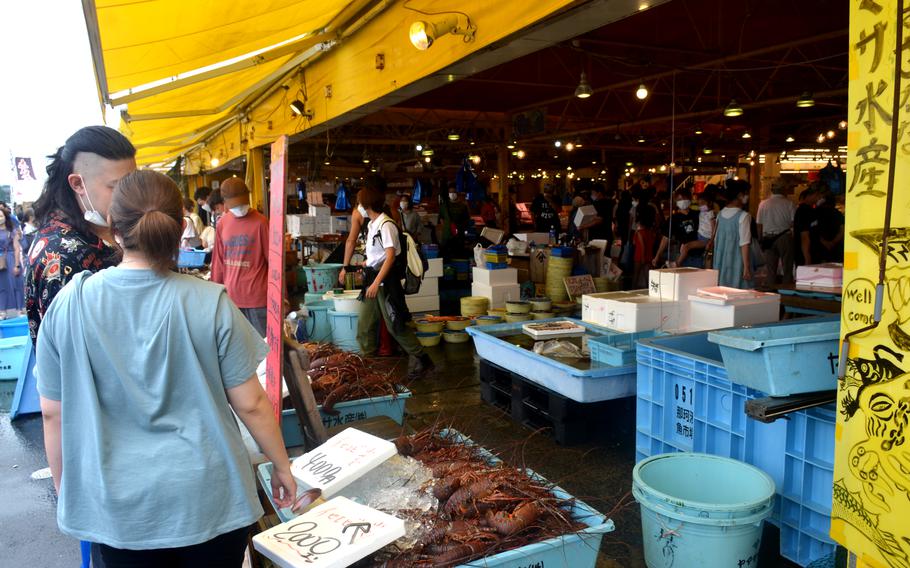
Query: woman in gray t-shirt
x: 138, y: 370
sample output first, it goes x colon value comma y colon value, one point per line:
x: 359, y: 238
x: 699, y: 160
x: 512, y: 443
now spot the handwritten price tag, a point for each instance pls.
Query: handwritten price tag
x: 341, y: 460
x: 336, y: 533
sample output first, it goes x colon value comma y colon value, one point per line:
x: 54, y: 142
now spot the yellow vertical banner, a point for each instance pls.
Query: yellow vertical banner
x: 871, y: 492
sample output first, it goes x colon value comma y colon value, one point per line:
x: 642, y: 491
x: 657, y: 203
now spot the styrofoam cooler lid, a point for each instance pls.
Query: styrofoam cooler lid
x: 726, y: 296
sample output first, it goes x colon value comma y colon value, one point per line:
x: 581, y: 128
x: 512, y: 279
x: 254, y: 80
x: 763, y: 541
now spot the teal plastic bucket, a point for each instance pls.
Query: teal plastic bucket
x: 321, y: 277
x: 344, y: 330
x: 14, y: 327
x: 317, y: 324
x: 310, y: 297
x: 701, y: 510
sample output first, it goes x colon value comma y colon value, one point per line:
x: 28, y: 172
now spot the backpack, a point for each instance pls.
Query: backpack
x: 411, y: 263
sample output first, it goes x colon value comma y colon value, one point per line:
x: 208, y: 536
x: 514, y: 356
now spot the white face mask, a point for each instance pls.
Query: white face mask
x: 683, y: 204
x: 362, y: 211
x: 206, y: 207
x: 453, y: 196
x: 634, y: 203
x: 820, y: 202
x: 403, y: 205
x: 702, y: 207
x: 240, y: 211
x: 91, y: 215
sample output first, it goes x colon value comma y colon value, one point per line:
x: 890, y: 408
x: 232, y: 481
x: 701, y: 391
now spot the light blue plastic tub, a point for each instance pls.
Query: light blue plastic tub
x: 14, y: 327
x: 701, y: 510
x: 600, y: 382
x: 781, y: 360
x: 321, y: 277
x: 344, y: 330
x: 317, y: 324
x: 618, y: 348
x: 348, y: 412
x: 310, y: 297
x: 574, y: 550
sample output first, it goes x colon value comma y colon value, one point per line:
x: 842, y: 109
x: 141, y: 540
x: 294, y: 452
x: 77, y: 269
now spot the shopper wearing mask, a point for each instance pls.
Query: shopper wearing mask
x: 697, y: 248
x: 732, y: 241
x: 71, y: 215
x: 775, y: 223
x: 201, y: 195
x: 382, y: 295
x: 410, y: 219
x: 241, y: 252
x: 139, y: 369
x: 678, y: 231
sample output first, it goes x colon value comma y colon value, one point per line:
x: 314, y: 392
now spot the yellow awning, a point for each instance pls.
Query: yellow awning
x: 146, y: 41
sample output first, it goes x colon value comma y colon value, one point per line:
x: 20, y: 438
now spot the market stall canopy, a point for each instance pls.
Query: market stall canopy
x: 185, y: 68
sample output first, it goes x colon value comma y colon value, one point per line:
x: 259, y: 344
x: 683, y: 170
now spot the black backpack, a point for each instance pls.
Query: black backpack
x: 410, y: 263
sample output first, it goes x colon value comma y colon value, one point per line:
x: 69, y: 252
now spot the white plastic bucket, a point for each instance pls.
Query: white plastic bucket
x: 701, y: 510
x: 345, y: 302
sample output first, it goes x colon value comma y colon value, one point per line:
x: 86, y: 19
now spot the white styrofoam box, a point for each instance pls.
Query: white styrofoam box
x: 822, y: 283
x: 584, y: 215
x: 301, y: 225
x: 593, y: 306
x: 831, y: 271
x: 320, y: 210
x: 537, y: 238
x: 498, y: 294
x: 719, y: 307
x: 493, y: 235
x: 643, y: 314
x: 419, y: 304
x: 677, y: 284
x: 429, y: 287
x: 318, y: 538
x: 434, y: 269
x: 322, y: 225
x: 340, y: 224
x: 495, y: 277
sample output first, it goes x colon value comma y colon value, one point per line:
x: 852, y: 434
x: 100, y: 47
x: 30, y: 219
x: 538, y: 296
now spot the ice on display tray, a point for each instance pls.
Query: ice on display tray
x: 341, y: 460
x: 553, y: 329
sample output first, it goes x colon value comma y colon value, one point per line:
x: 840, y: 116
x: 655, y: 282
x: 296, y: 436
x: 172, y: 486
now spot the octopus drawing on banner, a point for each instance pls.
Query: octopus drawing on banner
x: 877, y: 391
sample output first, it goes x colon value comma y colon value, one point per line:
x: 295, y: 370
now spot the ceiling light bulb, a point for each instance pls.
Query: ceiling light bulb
x: 570, y: 147
x: 421, y: 35
x: 751, y: 153
x: 805, y: 100
x: 641, y: 138
x: 733, y: 109
x: 472, y: 142
x: 558, y: 143
x: 453, y: 136
x: 821, y: 138
x: 632, y: 170
x: 215, y: 162
x: 642, y: 92
x: 510, y: 145
x: 629, y: 163
x: 327, y: 162
x: 298, y: 108
x: 790, y: 139
x: 698, y: 159
x: 708, y: 151
x: 842, y: 125
x: 829, y: 134
x: 427, y: 159
x: 746, y: 134
x: 475, y: 159
x: 583, y: 90
x: 419, y: 147
x: 520, y: 154
x: 751, y: 162
x: 663, y: 168
x: 427, y: 151
x: 698, y: 130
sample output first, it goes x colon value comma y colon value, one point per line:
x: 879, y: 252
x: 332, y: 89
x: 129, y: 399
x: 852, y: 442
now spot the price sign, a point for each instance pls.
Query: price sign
x: 337, y: 533
x: 682, y: 414
x: 341, y: 460
x: 275, y: 294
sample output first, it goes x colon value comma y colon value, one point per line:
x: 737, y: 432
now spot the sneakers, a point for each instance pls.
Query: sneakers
x: 420, y: 367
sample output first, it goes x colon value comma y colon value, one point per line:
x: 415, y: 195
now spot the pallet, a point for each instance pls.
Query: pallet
x: 568, y: 421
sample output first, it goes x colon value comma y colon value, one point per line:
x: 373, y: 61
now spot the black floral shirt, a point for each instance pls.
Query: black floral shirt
x: 58, y: 252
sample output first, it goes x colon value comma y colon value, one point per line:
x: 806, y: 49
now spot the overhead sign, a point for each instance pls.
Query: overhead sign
x: 275, y: 296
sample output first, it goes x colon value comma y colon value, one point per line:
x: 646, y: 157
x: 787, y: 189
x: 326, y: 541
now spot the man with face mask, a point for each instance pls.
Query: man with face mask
x: 680, y: 229
x: 240, y: 256
x: 71, y: 215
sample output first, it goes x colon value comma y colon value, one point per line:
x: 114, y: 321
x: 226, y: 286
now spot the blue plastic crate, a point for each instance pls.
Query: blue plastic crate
x: 808, y: 481
x: 191, y: 258
x: 430, y: 251
x: 782, y: 360
x: 14, y: 327
x: 497, y: 265
x: 600, y: 382
x: 14, y: 354
x: 575, y: 550
x: 348, y: 412
x: 617, y: 348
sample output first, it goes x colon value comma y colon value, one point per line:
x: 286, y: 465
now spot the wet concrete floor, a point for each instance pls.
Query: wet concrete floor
x: 599, y: 473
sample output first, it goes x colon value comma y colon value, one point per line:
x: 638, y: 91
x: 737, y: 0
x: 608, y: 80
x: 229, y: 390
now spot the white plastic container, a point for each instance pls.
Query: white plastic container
x: 429, y: 287
x: 497, y: 294
x: 435, y: 268
x: 345, y: 302
x: 828, y: 274
x: 719, y: 307
x: 495, y: 277
x: 594, y: 306
x: 643, y: 313
x: 677, y: 284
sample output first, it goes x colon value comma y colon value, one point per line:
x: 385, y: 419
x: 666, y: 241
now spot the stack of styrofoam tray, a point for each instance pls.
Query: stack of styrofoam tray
x: 828, y: 275
x: 553, y: 329
x: 719, y: 307
x: 677, y: 284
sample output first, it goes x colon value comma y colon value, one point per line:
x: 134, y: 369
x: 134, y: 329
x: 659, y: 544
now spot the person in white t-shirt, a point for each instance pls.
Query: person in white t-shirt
x: 733, y: 237
x: 383, y: 295
x: 775, y: 229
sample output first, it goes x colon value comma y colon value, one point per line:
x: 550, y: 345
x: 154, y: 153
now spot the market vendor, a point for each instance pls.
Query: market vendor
x: 241, y: 253
x: 139, y: 369
x: 382, y: 295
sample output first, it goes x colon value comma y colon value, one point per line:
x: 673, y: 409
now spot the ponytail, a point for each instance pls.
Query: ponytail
x: 147, y: 213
